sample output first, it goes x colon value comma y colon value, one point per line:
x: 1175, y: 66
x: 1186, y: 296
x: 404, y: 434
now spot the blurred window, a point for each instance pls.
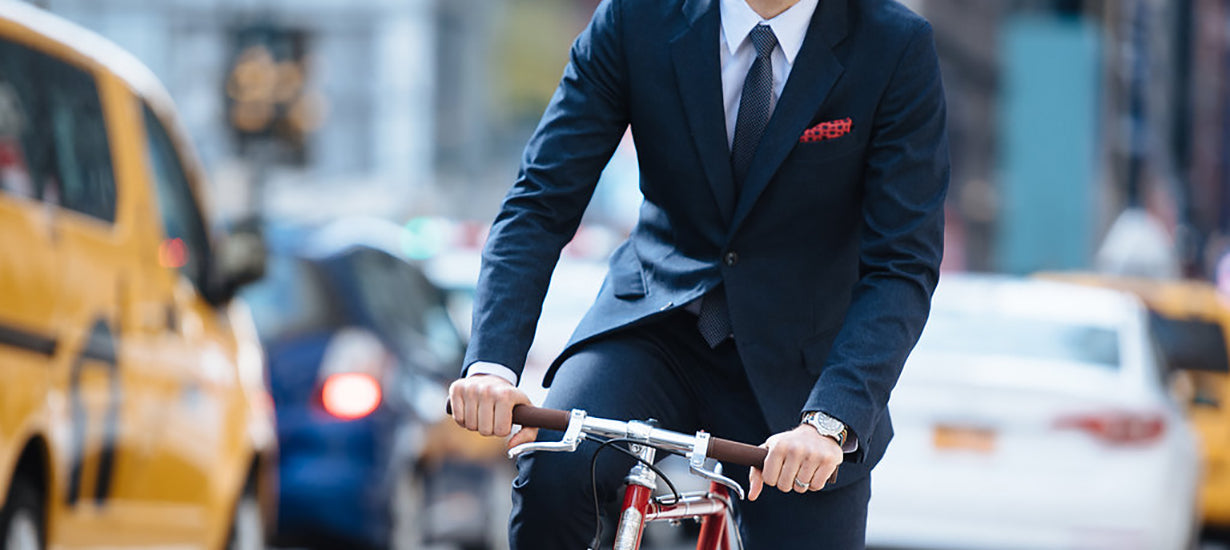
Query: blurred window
x: 181, y: 218
x: 409, y: 309
x: 975, y: 334
x: 290, y: 300
x: 1188, y: 344
x: 53, y: 136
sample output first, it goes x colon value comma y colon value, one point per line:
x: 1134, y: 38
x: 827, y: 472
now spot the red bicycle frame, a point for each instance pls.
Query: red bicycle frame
x: 640, y: 508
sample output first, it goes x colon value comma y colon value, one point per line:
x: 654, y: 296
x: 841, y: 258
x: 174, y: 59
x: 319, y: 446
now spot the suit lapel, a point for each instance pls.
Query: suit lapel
x: 698, y: 70
x: 813, y: 75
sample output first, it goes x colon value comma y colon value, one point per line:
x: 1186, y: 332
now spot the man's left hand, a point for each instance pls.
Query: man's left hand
x: 800, y: 454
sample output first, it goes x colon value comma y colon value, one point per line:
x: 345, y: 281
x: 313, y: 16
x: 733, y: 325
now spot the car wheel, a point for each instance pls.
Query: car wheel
x: 406, y: 511
x: 247, y: 524
x: 21, y: 520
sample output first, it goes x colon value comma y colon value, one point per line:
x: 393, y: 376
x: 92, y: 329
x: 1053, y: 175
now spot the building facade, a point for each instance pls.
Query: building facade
x: 292, y: 104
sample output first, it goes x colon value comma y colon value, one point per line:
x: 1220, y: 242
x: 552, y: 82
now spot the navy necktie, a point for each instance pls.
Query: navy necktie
x: 755, y: 107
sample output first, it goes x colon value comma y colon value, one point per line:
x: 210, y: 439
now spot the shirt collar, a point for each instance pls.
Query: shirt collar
x: 790, y: 26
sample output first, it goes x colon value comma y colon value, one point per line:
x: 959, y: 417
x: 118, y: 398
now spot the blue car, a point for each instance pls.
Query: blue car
x: 360, y: 351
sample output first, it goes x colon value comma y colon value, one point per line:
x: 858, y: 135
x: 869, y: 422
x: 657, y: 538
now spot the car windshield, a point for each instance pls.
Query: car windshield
x: 410, y: 309
x: 991, y: 334
x: 289, y: 300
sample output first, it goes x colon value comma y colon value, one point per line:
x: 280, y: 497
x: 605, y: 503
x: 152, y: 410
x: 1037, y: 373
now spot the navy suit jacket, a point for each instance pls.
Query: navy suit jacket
x: 829, y: 253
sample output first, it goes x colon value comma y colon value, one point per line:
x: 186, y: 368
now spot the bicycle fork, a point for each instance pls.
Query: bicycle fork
x: 639, y: 508
x: 641, y: 482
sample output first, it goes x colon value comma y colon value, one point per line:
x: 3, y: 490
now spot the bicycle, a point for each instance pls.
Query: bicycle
x: 640, y: 507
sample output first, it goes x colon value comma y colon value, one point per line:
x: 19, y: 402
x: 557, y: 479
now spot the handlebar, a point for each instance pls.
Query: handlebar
x: 577, y: 426
x: 724, y: 450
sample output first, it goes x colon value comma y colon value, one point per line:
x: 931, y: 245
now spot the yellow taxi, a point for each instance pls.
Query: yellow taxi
x: 133, y: 408
x: 1191, y: 321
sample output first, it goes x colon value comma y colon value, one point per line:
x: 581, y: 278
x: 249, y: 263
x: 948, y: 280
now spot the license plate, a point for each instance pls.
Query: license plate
x: 964, y: 438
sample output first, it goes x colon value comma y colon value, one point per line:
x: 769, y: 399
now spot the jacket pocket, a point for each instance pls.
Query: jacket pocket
x: 627, y: 281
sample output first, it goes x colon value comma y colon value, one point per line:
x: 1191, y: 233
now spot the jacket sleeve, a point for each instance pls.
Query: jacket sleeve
x: 901, y: 243
x: 579, y: 131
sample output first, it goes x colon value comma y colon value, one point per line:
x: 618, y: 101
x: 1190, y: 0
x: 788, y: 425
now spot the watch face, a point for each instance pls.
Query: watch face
x: 826, y: 423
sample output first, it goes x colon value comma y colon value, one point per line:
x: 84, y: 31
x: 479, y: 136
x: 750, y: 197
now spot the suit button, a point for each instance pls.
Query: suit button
x: 731, y: 259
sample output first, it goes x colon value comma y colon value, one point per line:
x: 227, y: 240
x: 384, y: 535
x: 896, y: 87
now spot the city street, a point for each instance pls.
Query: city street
x: 249, y: 249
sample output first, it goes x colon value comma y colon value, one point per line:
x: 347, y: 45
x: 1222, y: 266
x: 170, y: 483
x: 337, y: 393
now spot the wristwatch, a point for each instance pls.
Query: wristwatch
x: 827, y: 426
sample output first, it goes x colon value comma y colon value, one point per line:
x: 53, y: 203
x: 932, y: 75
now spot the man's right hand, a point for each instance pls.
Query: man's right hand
x: 484, y: 403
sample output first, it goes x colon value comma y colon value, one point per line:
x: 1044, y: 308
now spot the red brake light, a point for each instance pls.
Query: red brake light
x: 173, y: 253
x: 1118, y: 428
x: 350, y: 395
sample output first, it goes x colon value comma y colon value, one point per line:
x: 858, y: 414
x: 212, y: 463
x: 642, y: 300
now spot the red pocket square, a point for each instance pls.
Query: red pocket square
x: 832, y: 129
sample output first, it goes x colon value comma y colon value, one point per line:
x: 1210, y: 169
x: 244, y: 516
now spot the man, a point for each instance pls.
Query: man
x: 794, y: 165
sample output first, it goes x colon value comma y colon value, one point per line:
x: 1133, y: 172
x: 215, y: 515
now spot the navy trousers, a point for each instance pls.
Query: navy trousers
x: 664, y: 370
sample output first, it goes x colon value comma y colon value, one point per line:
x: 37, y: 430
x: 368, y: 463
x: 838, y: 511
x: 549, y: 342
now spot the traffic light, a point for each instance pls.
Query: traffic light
x: 269, y: 99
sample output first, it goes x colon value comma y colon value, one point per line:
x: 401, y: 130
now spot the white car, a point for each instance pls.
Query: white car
x: 1034, y: 415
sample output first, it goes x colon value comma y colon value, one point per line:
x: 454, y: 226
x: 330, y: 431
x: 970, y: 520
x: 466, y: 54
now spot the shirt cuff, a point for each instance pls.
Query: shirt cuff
x: 851, y: 443
x: 495, y: 369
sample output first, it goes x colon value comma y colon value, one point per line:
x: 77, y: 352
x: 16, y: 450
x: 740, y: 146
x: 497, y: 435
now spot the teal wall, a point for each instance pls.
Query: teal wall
x: 1048, y: 136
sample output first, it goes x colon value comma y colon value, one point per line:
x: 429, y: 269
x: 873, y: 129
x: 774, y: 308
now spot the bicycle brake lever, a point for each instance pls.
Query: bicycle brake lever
x: 716, y: 477
x: 696, y: 462
x: 572, y: 438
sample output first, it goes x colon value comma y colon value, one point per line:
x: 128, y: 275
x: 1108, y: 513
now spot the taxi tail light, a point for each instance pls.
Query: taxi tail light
x: 1118, y: 428
x: 350, y: 395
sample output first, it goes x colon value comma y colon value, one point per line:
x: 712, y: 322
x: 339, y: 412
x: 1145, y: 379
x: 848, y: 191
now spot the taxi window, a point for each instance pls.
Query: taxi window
x: 53, y: 138
x: 1189, y: 344
x: 186, y: 243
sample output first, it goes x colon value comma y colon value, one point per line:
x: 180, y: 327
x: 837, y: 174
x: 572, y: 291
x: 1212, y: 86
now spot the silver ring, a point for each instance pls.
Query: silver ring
x: 801, y: 485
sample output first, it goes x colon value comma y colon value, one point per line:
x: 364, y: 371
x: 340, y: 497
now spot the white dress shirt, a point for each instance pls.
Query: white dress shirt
x: 737, y: 54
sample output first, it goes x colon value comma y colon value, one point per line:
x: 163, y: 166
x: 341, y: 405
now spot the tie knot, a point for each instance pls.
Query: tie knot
x: 763, y: 38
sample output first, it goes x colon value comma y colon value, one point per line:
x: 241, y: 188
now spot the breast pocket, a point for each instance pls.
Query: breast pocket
x: 827, y: 150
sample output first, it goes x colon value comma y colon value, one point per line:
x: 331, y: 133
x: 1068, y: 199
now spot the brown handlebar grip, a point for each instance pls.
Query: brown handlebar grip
x: 737, y: 453
x: 536, y: 417
x: 530, y: 416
